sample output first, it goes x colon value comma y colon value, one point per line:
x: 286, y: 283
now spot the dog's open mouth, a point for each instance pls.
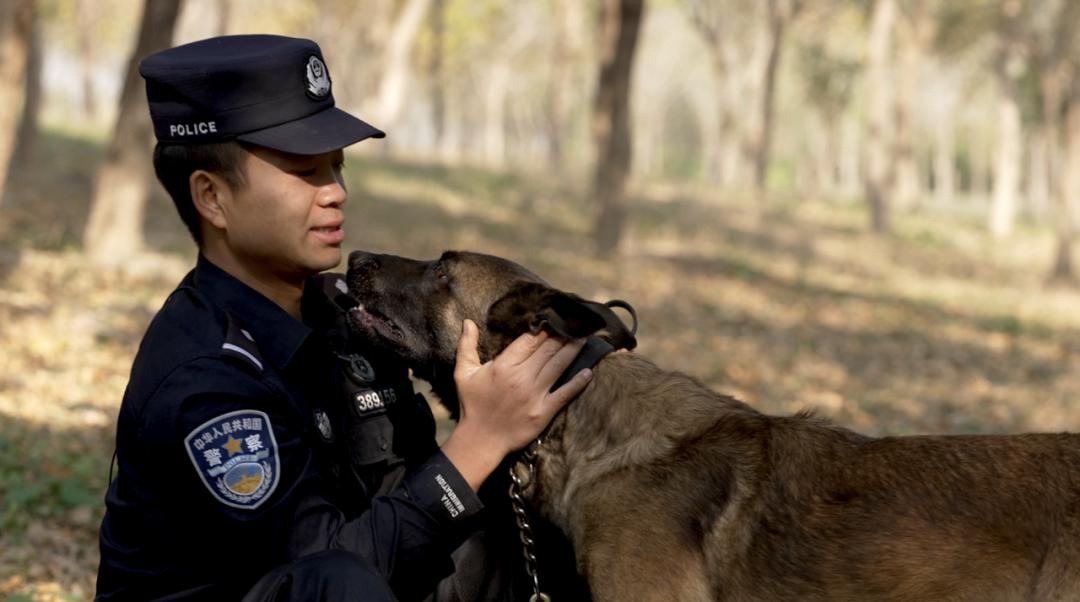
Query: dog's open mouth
x: 370, y: 320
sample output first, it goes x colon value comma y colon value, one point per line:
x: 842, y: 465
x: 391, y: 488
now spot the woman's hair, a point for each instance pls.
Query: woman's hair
x: 174, y: 164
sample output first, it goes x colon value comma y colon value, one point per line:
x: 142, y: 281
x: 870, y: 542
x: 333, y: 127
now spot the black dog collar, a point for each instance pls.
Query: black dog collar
x: 595, y: 349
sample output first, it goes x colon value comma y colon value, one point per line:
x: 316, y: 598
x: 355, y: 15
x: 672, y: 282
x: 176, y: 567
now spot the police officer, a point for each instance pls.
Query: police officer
x: 262, y: 453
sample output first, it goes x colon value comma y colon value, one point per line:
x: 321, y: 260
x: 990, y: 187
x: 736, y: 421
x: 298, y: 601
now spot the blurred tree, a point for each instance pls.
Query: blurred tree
x: 943, y: 163
x: 829, y: 84
x: 780, y: 15
x: 1069, y: 188
x: 830, y: 60
x: 436, y: 72
x: 915, y: 31
x: 620, y: 22
x: 16, y: 33
x: 996, y: 31
x: 224, y: 17
x: 568, y: 22
x: 394, y: 81
x: 85, y: 27
x: 29, y: 132
x: 725, y: 28
x: 114, y: 229
x: 1008, y: 69
x: 501, y: 71
x: 1055, y: 53
x: 879, y: 166
x: 354, y: 36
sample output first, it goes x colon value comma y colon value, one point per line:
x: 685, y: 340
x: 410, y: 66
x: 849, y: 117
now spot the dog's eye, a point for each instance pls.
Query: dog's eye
x: 440, y: 273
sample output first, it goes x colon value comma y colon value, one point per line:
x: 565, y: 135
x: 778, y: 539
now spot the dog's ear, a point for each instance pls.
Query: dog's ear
x: 532, y: 307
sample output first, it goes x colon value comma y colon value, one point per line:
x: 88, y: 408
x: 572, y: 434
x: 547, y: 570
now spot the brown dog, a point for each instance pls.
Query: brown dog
x: 670, y: 491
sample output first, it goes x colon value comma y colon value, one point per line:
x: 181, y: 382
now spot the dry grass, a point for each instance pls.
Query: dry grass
x: 787, y: 305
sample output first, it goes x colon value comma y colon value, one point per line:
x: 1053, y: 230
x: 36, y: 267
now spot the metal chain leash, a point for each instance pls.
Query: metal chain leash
x: 517, y: 502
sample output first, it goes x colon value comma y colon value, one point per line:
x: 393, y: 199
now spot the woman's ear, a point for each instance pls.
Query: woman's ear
x: 209, y: 193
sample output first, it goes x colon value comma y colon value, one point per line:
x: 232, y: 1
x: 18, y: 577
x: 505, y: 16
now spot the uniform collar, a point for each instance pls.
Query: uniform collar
x: 277, y: 334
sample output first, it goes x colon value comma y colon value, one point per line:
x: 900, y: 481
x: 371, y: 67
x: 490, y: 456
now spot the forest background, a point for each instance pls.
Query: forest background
x: 863, y: 207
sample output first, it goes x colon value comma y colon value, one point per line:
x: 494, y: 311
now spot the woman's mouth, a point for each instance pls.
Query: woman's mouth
x: 331, y: 235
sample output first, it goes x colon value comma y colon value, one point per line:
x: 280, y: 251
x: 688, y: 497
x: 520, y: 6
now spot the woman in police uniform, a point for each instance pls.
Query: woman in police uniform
x: 261, y: 454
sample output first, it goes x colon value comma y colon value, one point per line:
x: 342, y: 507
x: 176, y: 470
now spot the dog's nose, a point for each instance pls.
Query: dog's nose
x: 362, y: 259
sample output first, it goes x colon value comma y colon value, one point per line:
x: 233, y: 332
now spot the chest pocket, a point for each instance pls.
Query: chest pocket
x: 368, y: 429
x: 384, y: 420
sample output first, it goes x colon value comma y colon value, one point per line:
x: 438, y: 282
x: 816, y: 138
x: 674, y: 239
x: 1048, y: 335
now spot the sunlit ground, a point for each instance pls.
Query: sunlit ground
x: 786, y: 304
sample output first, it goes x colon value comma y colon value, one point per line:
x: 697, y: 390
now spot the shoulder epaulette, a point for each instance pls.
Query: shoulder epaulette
x: 241, y: 345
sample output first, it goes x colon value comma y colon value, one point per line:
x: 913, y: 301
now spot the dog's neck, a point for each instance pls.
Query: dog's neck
x: 630, y: 414
x: 594, y: 350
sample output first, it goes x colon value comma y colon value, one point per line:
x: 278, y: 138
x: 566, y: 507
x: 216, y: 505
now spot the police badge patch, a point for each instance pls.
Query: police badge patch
x: 236, y: 457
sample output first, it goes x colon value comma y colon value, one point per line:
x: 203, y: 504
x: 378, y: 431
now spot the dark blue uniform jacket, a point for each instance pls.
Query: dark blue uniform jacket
x: 242, y: 445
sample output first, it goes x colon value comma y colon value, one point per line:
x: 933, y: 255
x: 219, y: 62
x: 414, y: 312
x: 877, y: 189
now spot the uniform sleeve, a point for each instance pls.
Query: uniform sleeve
x: 408, y: 534
x: 247, y: 466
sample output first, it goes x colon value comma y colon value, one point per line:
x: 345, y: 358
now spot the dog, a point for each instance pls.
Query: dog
x: 668, y: 490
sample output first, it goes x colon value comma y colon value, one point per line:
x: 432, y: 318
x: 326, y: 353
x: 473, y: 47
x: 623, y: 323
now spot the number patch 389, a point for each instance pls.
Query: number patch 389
x: 371, y: 401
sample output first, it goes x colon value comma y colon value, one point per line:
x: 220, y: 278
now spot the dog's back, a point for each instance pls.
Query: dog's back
x: 669, y: 488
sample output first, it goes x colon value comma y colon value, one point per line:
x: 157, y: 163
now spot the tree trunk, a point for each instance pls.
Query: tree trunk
x: 29, y: 135
x: 1007, y: 160
x: 914, y: 36
x: 1037, y: 190
x: 16, y: 32
x: 114, y: 229
x: 1068, y: 189
x: 728, y: 155
x: 830, y: 170
x: 780, y: 12
x: 728, y: 147
x: 224, y: 17
x: 395, y: 78
x: 944, y: 162
x: 980, y: 160
x: 557, y: 105
x: 1059, y: 84
x: 620, y: 22
x: 84, y: 18
x: 436, y: 78
x: 1006, y: 184
x: 849, y: 169
x: 495, y: 94
x: 879, y: 99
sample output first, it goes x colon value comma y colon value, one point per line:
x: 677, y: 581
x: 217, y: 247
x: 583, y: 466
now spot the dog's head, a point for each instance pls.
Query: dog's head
x: 415, y: 309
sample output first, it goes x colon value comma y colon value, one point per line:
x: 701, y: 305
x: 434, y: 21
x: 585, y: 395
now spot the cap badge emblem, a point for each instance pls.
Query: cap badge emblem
x: 318, y: 80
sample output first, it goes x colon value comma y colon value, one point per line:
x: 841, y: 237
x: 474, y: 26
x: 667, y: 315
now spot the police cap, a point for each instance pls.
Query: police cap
x: 267, y: 90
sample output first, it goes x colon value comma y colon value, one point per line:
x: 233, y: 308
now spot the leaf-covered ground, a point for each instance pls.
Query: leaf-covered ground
x: 789, y: 304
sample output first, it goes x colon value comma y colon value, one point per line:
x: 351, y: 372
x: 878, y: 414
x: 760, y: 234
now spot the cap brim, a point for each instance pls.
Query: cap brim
x: 315, y: 134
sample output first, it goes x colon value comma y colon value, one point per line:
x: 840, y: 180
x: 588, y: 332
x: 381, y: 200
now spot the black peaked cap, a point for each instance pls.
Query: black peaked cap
x: 268, y: 90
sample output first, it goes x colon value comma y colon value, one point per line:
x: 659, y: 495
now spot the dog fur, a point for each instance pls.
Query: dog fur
x: 670, y: 491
